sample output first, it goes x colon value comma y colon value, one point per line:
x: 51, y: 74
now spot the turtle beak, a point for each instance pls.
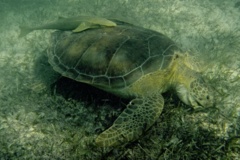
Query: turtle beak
x: 183, y: 94
x: 197, y: 97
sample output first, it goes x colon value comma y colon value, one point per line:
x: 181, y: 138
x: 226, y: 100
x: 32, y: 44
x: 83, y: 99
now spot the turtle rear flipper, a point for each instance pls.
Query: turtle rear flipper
x: 139, y: 116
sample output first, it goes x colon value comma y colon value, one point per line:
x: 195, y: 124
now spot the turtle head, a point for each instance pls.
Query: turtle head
x: 196, y: 93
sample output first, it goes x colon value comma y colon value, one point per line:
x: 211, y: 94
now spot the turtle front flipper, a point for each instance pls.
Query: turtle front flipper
x: 139, y: 116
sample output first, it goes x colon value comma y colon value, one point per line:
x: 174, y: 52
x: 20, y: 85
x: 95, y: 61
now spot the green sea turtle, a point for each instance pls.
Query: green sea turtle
x: 133, y: 63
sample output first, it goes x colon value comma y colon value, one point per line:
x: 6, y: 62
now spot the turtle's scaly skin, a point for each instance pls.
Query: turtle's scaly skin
x: 130, y: 62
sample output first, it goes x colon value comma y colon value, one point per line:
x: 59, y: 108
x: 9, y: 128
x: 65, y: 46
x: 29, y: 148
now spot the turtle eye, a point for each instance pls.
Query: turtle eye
x: 207, y: 97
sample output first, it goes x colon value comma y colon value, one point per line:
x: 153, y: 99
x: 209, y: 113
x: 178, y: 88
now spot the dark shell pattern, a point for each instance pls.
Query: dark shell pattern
x: 110, y: 57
